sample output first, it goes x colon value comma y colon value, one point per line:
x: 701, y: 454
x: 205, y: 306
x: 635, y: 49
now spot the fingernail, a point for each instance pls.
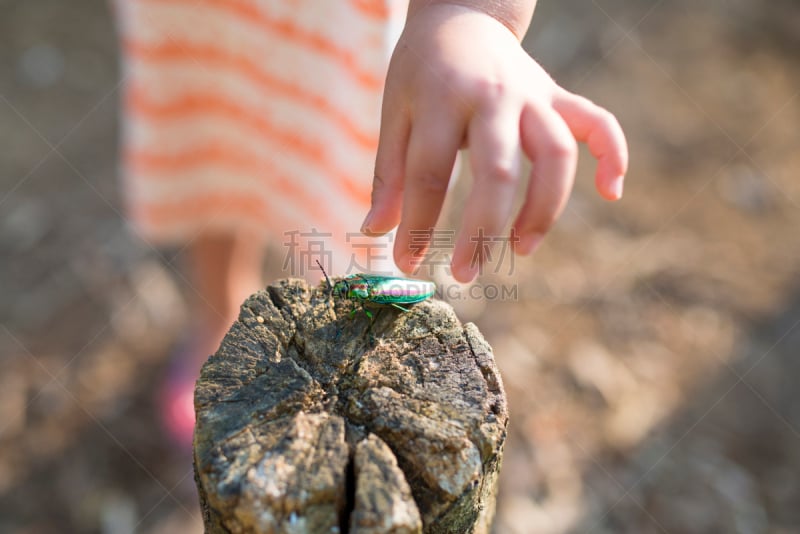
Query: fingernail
x: 527, y: 244
x: 616, y: 187
x: 365, y: 229
x: 413, y: 264
x: 464, y: 274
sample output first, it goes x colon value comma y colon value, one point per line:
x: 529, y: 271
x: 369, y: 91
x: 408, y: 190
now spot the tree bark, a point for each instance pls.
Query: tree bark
x: 310, y: 419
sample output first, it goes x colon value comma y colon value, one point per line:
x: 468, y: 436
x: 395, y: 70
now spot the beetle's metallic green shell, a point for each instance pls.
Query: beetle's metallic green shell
x: 384, y: 289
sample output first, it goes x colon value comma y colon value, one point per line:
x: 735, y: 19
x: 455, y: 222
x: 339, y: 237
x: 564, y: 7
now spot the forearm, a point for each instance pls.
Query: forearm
x: 514, y: 14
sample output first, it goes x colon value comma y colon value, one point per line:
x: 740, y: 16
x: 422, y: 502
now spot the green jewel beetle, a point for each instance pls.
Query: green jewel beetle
x: 376, y: 289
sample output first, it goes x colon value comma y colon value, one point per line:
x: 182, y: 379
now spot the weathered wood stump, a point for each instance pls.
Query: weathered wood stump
x: 310, y: 420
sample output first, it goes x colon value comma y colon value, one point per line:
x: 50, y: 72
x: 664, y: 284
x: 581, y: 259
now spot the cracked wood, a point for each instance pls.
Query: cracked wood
x: 311, y: 421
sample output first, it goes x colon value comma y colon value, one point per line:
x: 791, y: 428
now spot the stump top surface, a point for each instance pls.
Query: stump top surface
x: 300, y: 384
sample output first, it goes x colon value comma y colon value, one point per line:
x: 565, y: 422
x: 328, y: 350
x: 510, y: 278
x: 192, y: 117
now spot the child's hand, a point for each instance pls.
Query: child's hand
x: 460, y: 77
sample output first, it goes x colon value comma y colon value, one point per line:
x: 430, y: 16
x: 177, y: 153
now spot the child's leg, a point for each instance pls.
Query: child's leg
x: 223, y: 269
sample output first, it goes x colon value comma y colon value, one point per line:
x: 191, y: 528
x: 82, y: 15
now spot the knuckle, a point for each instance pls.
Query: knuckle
x: 431, y: 182
x: 504, y: 174
x: 378, y: 182
x: 489, y: 90
x: 605, y: 117
x: 560, y: 148
x: 383, y: 184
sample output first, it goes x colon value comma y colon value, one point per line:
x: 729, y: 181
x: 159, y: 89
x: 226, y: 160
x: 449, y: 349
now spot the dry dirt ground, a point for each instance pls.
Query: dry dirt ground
x: 650, y: 357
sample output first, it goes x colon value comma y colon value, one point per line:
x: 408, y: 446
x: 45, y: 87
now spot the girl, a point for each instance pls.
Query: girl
x: 256, y: 121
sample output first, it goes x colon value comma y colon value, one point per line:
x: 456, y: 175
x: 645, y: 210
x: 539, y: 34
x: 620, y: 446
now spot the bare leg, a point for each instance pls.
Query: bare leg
x: 223, y: 270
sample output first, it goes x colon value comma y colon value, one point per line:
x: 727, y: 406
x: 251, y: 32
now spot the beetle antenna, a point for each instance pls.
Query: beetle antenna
x: 327, y: 280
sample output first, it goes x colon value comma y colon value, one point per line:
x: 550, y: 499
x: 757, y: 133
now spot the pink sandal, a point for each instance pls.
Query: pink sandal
x: 176, y: 396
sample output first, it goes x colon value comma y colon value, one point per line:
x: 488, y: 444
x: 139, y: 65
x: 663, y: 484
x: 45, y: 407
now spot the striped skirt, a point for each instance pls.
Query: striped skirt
x: 256, y: 116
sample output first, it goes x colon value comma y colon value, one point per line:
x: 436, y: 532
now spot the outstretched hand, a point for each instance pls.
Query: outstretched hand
x: 459, y: 77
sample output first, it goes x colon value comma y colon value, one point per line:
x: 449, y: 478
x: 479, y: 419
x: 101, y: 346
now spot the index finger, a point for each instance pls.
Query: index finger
x: 436, y: 136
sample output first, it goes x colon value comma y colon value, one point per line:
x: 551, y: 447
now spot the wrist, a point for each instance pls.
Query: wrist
x: 513, y: 14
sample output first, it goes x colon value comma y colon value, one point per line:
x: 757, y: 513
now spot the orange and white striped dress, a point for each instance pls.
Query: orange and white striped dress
x: 252, y: 115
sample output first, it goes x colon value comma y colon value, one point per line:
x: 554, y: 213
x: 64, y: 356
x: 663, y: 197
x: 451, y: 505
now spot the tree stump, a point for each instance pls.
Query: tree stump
x: 310, y: 419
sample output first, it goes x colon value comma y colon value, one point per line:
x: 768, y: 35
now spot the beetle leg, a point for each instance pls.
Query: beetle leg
x: 399, y: 307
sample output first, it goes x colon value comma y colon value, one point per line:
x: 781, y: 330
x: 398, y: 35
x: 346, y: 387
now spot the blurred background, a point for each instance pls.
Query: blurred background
x: 650, y: 358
